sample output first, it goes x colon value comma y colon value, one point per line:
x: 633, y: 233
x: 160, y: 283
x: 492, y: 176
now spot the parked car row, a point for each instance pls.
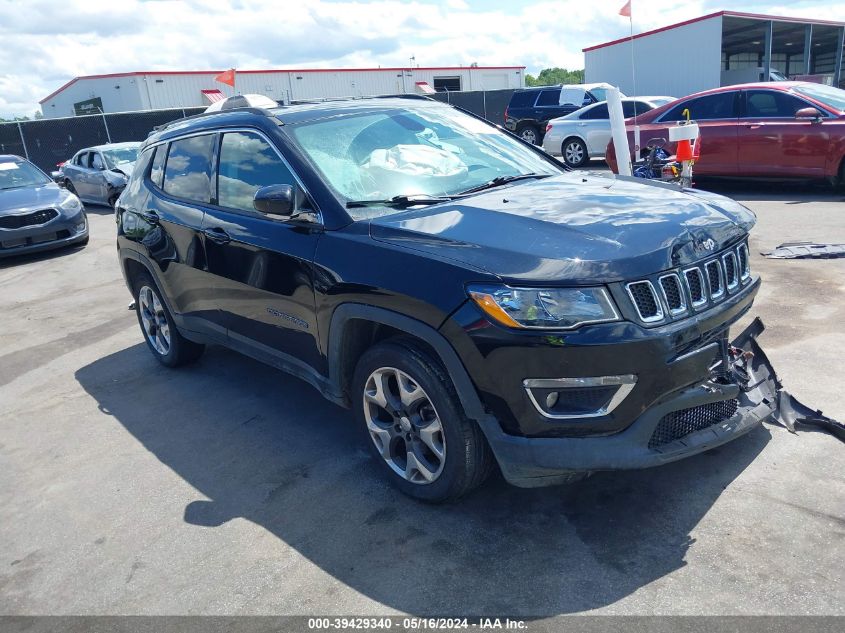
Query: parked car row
x: 585, y: 133
x: 531, y: 109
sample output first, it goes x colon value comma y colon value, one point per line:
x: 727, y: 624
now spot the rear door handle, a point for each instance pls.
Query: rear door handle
x: 217, y: 235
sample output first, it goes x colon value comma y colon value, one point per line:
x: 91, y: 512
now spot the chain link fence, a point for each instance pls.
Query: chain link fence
x: 47, y: 142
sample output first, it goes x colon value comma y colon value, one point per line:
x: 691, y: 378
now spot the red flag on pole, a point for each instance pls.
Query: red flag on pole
x: 227, y: 77
x: 626, y: 10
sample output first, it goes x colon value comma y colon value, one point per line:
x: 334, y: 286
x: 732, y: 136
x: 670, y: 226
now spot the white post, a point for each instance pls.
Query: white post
x: 617, y: 129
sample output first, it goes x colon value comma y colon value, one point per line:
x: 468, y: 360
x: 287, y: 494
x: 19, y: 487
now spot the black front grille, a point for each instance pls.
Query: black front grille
x: 730, y: 270
x: 672, y: 292
x: 714, y: 278
x: 642, y: 294
x: 694, y: 282
x: 28, y: 219
x: 681, y: 423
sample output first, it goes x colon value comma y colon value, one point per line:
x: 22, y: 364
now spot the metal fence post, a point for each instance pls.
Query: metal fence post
x: 484, y: 102
x: 106, y: 125
x: 23, y: 141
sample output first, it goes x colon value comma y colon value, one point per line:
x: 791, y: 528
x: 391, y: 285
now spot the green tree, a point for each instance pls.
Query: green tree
x: 554, y: 76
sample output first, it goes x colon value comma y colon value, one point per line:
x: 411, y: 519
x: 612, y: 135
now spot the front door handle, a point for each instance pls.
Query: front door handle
x: 217, y: 235
x: 150, y: 217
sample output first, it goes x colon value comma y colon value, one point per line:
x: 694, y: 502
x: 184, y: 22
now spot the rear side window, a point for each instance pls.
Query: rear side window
x: 157, y: 170
x: 187, y: 174
x: 771, y: 104
x: 599, y: 112
x: 82, y: 160
x: 633, y: 108
x: 138, y: 172
x: 549, y: 98
x: 247, y: 163
x: 721, y: 105
x: 523, y: 99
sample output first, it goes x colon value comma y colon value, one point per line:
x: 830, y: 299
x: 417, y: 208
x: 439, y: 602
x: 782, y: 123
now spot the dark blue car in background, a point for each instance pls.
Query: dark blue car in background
x: 35, y: 213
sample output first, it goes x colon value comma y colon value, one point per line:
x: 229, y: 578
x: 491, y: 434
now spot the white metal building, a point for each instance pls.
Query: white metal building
x: 719, y: 49
x: 124, y: 92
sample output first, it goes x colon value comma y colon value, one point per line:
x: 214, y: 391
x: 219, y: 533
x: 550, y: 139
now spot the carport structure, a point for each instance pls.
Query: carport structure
x: 720, y: 49
x: 795, y: 47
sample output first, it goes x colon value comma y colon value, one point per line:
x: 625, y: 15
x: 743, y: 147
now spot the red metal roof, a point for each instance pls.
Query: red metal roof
x: 273, y: 70
x: 730, y: 14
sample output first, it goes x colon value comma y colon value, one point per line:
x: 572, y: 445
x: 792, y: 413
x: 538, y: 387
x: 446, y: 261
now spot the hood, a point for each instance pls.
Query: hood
x: 125, y: 170
x: 31, y: 198
x: 574, y: 228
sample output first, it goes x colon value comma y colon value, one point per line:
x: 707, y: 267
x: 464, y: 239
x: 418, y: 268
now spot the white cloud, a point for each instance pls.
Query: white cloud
x: 43, y: 47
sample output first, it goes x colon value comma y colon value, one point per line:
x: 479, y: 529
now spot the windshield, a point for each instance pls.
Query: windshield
x: 121, y: 156
x: 424, y: 151
x: 828, y: 95
x: 15, y: 174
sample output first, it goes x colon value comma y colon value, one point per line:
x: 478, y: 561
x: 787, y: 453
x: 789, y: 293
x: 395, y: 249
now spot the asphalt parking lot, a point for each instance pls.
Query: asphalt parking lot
x: 231, y: 488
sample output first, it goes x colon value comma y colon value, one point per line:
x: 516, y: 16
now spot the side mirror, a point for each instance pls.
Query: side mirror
x: 274, y: 200
x: 808, y: 113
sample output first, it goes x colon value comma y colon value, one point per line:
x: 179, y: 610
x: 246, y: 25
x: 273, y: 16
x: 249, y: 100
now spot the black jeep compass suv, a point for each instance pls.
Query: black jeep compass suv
x: 468, y: 298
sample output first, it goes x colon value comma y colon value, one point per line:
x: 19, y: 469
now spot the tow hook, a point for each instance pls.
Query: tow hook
x: 752, y: 370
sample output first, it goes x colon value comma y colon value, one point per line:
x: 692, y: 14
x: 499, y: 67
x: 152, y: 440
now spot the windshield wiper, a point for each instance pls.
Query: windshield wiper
x: 498, y: 181
x: 400, y: 202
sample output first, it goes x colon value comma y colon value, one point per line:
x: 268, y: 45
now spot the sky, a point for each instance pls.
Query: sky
x: 45, y: 43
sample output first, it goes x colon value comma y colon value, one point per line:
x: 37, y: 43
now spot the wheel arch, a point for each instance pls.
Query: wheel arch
x: 578, y: 137
x: 356, y: 327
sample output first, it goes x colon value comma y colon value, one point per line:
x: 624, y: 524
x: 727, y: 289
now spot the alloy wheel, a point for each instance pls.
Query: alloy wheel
x: 529, y: 136
x: 154, y: 320
x: 404, y: 425
x: 574, y: 153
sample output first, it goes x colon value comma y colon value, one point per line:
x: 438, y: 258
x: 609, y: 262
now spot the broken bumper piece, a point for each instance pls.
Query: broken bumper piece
x: 743, y: 392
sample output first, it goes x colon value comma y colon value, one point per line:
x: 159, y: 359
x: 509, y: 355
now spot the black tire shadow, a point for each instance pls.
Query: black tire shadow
x: 264, y: 446
x: 98, y: 209
x: 52, y: 253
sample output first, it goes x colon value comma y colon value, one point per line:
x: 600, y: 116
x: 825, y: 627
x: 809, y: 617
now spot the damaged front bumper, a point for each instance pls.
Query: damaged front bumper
x: 741, y: 394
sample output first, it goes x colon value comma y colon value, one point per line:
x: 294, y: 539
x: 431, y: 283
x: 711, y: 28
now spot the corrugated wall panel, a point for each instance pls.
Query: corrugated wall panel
x: 676, y: 62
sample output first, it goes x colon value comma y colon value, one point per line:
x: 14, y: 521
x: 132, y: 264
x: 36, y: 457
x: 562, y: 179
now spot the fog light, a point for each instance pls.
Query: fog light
x: 80, y: 226
x: 551, y: 400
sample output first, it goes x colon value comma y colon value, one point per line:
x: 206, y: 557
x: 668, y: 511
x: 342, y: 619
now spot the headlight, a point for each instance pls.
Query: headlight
x: 71, y: 204
x: 548, y: 308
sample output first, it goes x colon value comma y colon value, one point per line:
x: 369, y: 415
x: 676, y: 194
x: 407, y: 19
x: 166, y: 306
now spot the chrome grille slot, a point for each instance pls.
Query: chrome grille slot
x: 714, y: 279
x: 645, y: 301
x: 673, y: 294
x: 695, y: 283
x: 744, y: 266
x: 731, y: 276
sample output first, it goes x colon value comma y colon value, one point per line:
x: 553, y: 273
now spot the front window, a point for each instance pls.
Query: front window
x: 247, y: 163
x: 429, y: 151
x: 720, y: 105
x: 14, y: 175
x: 115, y: 158
x: 832, y: 97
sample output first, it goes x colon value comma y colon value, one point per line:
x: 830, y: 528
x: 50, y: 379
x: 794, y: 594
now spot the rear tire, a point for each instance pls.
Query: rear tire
x: 414, y: 423
x: 574, y: 152
x: 168, y: 346
x: 529, y: 133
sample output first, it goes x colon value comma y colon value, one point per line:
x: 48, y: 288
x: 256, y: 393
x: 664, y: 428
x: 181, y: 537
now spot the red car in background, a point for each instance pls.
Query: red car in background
x: 784, y: 129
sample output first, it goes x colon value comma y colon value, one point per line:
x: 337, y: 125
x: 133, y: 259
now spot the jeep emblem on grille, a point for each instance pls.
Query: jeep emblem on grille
x: 705, y: 245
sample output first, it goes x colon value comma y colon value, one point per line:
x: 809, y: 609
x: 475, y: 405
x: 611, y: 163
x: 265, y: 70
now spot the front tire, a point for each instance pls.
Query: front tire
x: 574, y: 152
x: 168, y: 346
x: 415, y: 424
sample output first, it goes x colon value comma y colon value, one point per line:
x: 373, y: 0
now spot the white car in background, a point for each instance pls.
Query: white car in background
x: 585, y: 133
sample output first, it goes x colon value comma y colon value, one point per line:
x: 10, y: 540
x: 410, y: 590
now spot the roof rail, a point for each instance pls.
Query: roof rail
x: 250, y: 110
x: 361, y: 98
